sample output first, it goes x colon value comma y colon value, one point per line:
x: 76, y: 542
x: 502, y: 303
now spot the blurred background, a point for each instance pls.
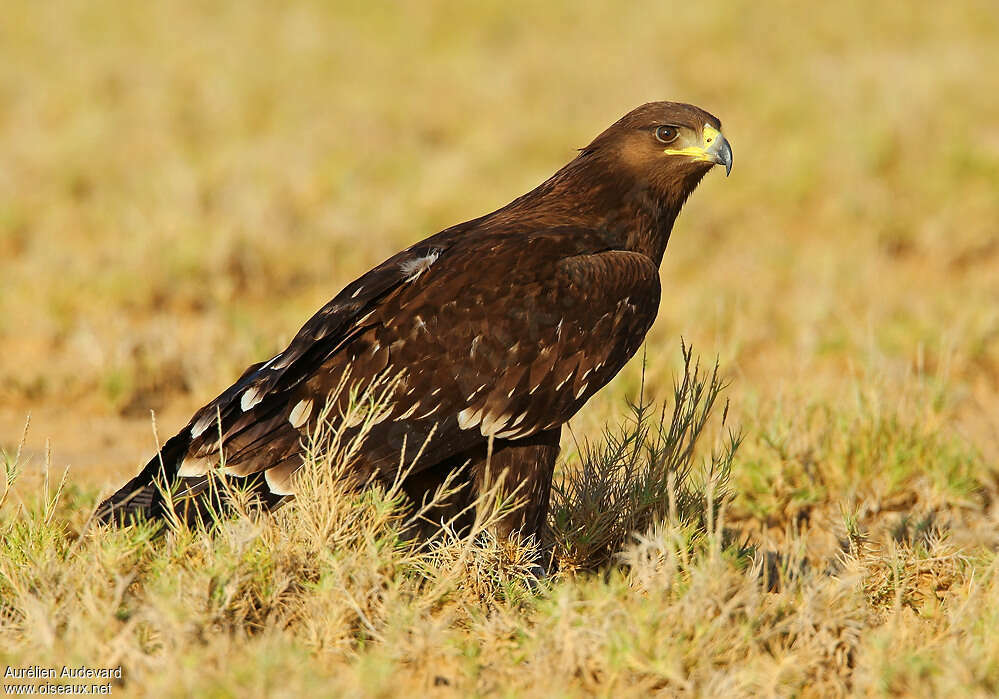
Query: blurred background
x: 183, y: 184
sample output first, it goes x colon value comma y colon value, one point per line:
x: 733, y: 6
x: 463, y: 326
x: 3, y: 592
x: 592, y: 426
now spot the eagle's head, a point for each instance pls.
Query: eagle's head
x: 632, y: 180
x: 664, y: 146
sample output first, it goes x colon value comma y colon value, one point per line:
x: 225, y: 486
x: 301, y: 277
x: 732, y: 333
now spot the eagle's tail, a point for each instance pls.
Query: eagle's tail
x: 142, y: 498
x: 159, y: 494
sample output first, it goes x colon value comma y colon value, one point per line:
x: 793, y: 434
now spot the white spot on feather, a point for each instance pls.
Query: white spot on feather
x: 193, y: 466
x: 469, y: 418
x: 412, y: 269
x: 512, y: 433
x: 356, y: 292
x: 581, y: 390
x: 203, y: 423
x: 300, y: 413
x: 251, y: 397
x: 492, y: 423
x: 279, y: 479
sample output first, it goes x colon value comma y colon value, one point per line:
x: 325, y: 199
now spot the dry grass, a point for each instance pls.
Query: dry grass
x: 184, y: 183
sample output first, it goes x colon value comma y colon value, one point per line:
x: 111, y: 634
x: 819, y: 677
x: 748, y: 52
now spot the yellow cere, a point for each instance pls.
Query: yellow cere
x: 708, y: 136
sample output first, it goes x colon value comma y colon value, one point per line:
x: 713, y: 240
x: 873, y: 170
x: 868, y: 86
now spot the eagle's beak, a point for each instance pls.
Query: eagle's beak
x: 714, y: 148
x: 717, y: 145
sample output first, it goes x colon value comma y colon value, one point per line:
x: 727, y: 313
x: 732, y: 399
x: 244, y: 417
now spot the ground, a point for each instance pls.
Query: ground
x: 183, y: 184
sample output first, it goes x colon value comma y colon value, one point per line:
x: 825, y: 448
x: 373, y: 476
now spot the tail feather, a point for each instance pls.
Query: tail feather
x: 142, y: 498
x: 157, y: 493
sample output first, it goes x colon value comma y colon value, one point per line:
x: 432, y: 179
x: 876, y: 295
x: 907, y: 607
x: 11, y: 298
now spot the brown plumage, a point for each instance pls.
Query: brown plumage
x: 501, y: 328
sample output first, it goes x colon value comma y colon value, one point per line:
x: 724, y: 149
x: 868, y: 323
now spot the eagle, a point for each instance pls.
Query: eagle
x: 497, y: 331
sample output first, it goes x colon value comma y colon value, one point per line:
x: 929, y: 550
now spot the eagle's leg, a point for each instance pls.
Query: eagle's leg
x: 524, y: 470
x: 527, y: 466
x: 423, y: 489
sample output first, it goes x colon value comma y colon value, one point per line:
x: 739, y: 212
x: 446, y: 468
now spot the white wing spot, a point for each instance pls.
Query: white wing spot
x: 512, y: 433
x: 203, y: 423
x: 520, y: 419
x: 491, y: 424
x: 251, y: 397
x: 279, y: 479
x: 194, y: 466
x: 412, y: 269
x: 469, y: 418
x: 562, y: 383
x: 356, y: 292
x: 300, y: 413
x: 581, y: 390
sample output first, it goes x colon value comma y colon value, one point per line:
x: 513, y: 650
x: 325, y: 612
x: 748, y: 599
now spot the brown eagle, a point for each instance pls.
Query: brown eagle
x: 501, y: 328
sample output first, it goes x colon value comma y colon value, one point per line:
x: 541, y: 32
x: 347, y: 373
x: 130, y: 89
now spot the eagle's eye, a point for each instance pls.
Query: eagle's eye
x: 666, y: 134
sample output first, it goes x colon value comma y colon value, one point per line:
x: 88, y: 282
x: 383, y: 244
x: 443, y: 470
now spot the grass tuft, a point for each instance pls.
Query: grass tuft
x: 646, y: 471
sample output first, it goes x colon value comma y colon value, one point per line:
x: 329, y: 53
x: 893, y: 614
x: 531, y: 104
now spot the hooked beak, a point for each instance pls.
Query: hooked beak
x: 714, y: 148
x: 721, y: 150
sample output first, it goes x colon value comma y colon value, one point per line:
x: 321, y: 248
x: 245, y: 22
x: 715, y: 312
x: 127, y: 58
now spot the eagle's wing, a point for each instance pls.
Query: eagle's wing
x: 493, y: 335
x: 504, y: 336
